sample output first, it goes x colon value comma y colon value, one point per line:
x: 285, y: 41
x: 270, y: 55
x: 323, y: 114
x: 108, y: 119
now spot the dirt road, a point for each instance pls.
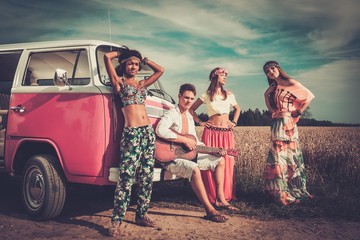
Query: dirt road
x: 86, y: 216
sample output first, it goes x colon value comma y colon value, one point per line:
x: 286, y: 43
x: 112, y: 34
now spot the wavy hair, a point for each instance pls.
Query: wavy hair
x: 281, y: 71
x: 214, y: 82
x: 272, y: 81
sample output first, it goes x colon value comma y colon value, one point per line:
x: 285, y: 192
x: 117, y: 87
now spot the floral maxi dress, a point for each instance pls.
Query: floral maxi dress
x: 285, y: 177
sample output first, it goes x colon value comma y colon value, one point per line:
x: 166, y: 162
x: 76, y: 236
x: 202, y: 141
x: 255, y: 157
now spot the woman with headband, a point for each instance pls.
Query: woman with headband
x: 218, y: 131
x: 286, y: 99
x: 138, y: 137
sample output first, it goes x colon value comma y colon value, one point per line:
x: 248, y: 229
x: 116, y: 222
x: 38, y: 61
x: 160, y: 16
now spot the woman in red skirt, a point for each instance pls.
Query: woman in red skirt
x: 218, y: 130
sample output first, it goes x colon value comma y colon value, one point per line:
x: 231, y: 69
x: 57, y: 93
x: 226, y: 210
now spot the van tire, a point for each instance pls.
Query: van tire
x: 43, y: 188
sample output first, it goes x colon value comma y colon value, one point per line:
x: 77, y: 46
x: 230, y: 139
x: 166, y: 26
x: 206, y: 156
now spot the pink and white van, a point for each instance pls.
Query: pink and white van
x: 60, y: 122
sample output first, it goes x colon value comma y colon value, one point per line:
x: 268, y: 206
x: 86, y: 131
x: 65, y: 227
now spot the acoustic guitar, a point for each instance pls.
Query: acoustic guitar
x: 166, y: 151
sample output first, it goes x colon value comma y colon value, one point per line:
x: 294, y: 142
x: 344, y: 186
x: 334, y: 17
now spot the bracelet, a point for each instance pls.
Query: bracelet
x: 145, y: 60
x: 234, y: 122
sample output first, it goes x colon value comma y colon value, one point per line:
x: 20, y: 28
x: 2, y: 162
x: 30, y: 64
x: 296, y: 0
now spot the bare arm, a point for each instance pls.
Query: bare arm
x: 158, y: 71
x: 193, y: 108
x: 299, y: 111
x: 236, y: 114
x: 306, y: 103
x: 267, y: 98
x: 114, y: 78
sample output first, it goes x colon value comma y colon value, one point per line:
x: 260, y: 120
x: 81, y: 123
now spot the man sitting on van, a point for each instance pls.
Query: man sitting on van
x: 177, y: 125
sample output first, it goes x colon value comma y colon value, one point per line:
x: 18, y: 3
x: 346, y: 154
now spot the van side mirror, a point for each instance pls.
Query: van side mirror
x: 61, y: 79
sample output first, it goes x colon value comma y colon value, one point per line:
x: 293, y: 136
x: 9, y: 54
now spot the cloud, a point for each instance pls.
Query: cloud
x: 334, y: 76
x: 186, y: 16
x: 335, y: 86
x: 316, y: 41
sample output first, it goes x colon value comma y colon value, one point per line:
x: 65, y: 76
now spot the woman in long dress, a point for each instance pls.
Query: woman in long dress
x: 286, y: 99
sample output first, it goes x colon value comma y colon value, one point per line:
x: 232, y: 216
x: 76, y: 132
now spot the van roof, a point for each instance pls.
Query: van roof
x: 51, y: 44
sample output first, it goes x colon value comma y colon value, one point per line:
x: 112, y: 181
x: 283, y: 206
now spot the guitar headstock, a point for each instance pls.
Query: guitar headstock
x: 232, y: 152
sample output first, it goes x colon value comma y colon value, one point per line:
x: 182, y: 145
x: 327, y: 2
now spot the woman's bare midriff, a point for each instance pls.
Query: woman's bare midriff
x: 135, y: 116
x: 219, y: 120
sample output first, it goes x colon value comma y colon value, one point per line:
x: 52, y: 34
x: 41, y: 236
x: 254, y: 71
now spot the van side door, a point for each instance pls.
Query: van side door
x: 69, y: 119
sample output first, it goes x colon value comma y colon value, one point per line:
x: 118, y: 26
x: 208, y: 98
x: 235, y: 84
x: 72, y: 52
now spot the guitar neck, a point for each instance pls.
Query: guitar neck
x: 214, y: 150
x: 206, y: 149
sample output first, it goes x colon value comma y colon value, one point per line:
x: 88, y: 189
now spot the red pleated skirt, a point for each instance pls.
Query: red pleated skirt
x: 222, y: 138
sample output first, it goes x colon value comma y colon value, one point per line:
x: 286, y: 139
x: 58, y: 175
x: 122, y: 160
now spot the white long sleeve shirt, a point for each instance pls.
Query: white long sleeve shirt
x: 172, y: 120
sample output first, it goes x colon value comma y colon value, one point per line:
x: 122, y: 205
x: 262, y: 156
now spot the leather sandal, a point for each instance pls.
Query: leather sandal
x: 114, y: 230
x: 216, y: 217
x: 228, y: 207
x: 146, y: 221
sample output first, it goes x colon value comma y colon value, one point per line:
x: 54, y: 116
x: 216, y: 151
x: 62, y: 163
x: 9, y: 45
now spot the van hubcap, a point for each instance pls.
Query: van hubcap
x: 34, y: 188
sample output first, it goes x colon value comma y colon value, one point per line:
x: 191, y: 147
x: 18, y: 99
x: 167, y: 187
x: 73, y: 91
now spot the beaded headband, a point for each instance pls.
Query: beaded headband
x: 130, y: 58
x: 270, y: 64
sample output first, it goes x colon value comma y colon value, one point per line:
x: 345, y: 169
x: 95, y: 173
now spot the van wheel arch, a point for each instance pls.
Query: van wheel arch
x: 43, y: 190
x: 28, y: 149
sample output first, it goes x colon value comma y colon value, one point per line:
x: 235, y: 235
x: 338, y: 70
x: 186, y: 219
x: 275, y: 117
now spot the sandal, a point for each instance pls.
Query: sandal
x: 114, y: 230
x: 216, y: 217
x: 146, y: 221
x: 228, y: 207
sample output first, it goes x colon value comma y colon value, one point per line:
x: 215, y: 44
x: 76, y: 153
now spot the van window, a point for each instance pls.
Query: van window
x: 100, y: 52
x: 8, y: 65
x: 155, y: 89
x: 41, y: 67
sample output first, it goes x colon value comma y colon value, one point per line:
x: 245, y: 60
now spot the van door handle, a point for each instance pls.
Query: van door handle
x: 18, y: 108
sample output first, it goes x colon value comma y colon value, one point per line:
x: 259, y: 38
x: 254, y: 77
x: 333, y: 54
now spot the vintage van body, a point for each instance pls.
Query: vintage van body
x: 55, y: 132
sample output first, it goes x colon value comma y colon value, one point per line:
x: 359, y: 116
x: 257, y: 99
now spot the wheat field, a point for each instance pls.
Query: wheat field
x: 332, y: 160
x: 331, y: 156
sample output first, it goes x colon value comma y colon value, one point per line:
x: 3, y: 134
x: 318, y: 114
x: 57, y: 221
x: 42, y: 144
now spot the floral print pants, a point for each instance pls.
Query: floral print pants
x: 285, y: 178
x: 136, y: 165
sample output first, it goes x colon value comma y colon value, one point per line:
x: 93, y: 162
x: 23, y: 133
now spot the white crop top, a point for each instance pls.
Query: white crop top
x: 218, y: 105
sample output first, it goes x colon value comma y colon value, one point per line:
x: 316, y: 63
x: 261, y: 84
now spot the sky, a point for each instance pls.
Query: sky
x: 315, y: 42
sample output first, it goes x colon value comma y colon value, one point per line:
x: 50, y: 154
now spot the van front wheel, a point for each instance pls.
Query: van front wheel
x: 43, y: 187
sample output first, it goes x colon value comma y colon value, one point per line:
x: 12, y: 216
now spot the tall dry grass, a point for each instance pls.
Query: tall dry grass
x: 332, y: 159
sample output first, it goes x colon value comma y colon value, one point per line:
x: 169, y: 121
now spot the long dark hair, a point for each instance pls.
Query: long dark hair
x: 281, y: 71
x: 212, y: 87
x: 126, y: 53
x: 272, y: 81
